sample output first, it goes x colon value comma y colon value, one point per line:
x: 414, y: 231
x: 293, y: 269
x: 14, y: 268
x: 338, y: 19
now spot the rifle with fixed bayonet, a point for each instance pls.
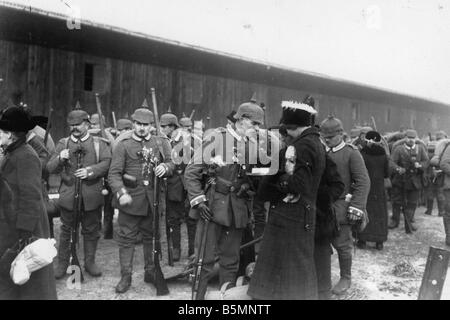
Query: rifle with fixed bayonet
x: 160, y: 282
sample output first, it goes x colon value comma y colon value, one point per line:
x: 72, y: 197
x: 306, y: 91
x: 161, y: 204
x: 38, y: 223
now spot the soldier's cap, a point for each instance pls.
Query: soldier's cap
x: 95, y: 119
x: 185, y: 121
x: 16, y: 119
x: 410, y: 133
x: 123, y: 124
x: 250, y: 110
x: 373, y: 135
x: 168, y: 119
x: 143, y: 115
x: 331, y: 126
x: 76, y: 117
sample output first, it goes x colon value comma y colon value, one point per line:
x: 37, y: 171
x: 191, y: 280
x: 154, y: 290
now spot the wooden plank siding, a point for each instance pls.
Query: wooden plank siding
x: 44, y: 77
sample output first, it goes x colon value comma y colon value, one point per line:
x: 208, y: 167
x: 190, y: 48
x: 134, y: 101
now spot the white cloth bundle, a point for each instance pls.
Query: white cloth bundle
x: 33, y: 257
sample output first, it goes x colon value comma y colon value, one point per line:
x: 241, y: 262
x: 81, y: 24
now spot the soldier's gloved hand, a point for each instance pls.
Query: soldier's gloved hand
x: 64, y: 155
x: 160, y: 170
x: 417, y: 165
x: 401, y: 170
x: 81, y: 173
x: 125, y: 199
x: 204, y: 211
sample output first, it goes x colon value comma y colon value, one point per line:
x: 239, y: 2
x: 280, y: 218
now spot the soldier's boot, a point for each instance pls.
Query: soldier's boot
x: 429, y: 207
x: 63, y: 254
x: 409, y: 213
x: 126, y: 268
x: 447, y: 230
x: 149, y: 267
x: 191, y: 229
x: 441, y: 207
x: 393, y: 223
x: 345, y: 265
x: 90, y: 248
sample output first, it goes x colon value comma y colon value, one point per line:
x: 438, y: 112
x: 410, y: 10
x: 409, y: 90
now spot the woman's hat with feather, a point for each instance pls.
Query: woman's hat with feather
x: 299, y: 114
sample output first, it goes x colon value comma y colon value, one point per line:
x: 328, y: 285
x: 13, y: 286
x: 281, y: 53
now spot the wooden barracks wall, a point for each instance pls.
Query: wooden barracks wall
x: 43, y: 77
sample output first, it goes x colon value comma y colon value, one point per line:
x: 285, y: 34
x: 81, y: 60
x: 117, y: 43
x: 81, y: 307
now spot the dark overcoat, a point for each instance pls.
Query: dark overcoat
x: 21, y: 169
x: 285, y: 265
x: 377, y: 165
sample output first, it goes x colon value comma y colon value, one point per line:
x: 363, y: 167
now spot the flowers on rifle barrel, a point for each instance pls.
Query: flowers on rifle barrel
x: 149, y: 161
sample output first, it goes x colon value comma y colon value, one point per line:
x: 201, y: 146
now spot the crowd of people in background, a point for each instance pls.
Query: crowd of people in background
x: 331, y: 190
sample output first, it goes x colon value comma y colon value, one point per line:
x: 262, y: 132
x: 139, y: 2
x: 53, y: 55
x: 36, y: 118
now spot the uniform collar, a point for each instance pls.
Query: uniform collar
x: 139, y: 139
x: 337, y: 148
x: 410, y: 148
x: 83, y: 139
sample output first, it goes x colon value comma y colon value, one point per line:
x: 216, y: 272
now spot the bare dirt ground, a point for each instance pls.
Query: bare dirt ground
x: 395, y: 273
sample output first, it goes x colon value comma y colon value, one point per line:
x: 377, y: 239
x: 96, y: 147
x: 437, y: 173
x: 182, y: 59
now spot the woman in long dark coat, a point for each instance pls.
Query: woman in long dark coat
x: 21, y: 169
x: 285, y: 268
x: 377, y: 164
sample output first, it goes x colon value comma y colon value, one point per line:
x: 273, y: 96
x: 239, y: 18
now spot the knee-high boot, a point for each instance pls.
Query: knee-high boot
x: 126, y: 267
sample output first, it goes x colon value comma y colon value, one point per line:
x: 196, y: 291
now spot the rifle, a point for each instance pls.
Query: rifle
x: 160, y: 282
x: 202, y: 248
x: 100, y: 115
x: 47, y: 129
x: 77, y: 204
x: 168, y: 233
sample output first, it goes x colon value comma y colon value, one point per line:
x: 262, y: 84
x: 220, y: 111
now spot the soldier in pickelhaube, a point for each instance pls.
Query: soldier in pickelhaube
x: 225, y: 202
x: 131, y: 179
x: 350, y: 208
x: 177, y: 206
x: 96, y: 158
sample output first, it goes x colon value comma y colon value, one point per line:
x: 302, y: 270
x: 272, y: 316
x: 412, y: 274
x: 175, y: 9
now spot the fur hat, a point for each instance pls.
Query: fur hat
x: 373, y: 135
x: 297, y: 114
x: 16, y: 119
